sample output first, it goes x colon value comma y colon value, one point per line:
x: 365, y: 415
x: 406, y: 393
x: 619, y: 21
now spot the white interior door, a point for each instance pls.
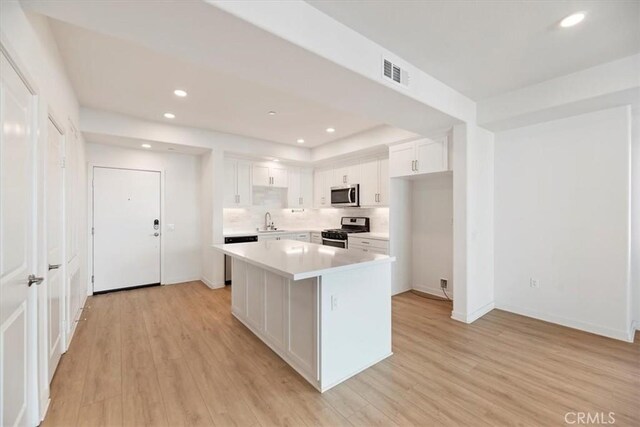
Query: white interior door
x: 55, y: 256
x: 126, y: 246
x: 17, y: 174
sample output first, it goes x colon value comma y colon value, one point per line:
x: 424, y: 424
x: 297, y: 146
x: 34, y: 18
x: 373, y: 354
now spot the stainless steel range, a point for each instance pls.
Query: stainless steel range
x: 338, y: 237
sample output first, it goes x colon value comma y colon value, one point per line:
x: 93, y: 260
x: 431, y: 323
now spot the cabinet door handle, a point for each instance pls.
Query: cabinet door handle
x: 417, y: 166
x: 33, y: 280
x: 413, y: 167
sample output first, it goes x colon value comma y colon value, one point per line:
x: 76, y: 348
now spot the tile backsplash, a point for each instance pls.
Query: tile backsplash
x: 273, y: 200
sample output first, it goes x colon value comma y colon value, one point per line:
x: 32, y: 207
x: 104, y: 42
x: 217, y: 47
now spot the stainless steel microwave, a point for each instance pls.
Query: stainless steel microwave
x: 345, y: 196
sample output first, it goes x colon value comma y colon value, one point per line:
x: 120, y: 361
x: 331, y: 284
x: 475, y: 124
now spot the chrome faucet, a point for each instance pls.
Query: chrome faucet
x: 268, y: 224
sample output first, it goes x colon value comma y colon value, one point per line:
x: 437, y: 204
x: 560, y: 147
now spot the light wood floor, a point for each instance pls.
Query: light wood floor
x: 174, y: 355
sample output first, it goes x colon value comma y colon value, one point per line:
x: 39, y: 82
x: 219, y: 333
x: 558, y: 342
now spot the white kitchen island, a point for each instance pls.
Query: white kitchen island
x: 326, y: 311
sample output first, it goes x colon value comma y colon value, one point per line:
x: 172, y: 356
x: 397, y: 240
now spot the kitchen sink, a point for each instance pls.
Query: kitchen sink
x: 271, y: 231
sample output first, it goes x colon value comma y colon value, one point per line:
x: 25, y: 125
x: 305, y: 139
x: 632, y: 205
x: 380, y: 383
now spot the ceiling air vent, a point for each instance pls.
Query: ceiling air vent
x: 393, y: 72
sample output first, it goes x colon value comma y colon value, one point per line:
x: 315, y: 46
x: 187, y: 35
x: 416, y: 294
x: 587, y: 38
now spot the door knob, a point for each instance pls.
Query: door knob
x: 32, y: 279
x: 156, y: 234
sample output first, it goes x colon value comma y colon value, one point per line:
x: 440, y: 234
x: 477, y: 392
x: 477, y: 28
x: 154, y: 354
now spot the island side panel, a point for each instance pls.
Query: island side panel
x: 281, y: 312
x: 355, y: 322
x: 239, y: 288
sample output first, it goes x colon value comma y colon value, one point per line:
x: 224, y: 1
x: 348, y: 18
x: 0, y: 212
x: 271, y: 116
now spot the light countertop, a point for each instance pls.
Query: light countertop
x: 374, y: 236
x: 237, y: 233
x: 300, y: 260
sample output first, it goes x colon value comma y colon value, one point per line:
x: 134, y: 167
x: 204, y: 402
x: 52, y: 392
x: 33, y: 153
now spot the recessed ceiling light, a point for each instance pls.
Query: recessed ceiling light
x: 271, y: 113
x: 146, y: 146
x: 169, y: 116
x: 276, y: 160
x: 573, y: 19
x: 331, y: 130
x: 181, y: 93
x: 300, y: 141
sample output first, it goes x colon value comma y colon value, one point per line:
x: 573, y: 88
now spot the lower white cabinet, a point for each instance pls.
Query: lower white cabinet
x: 316, y: 238
x: 368, y: 245
x: 302, y: 237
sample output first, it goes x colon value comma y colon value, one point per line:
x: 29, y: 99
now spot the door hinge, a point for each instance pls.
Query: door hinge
x: 63, y: 163
x: 92, y: 279
x: 93, y: 231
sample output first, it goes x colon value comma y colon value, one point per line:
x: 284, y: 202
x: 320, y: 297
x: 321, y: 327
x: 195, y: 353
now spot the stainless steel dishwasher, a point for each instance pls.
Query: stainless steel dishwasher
x: 227, y: 258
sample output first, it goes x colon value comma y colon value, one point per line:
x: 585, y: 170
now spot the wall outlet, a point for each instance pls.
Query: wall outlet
x: 534, y: 283
x: 334, y: 302
x: 443, y: 284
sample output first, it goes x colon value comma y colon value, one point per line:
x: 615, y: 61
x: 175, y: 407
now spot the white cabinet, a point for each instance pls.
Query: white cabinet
x: 269, y: 176
x: 432, y: 156
x: 374, y: 185
x: 316, y: 238
x: 368, y: 245
x: 302, y: 237
x: 346, y: 175
x: 419, y: 157
x: 300, y: 189
x: 237, y: 183
x: 322, y: 181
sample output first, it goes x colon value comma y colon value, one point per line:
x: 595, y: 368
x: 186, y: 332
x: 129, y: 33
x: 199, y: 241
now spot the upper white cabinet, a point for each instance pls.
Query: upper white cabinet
x: 322, y: 183
x: 374, y: 184
x: 268, y: 176
x: 347, y: 175
x: 300, y: 190
x: 237, y: 180
x: 419, y: 157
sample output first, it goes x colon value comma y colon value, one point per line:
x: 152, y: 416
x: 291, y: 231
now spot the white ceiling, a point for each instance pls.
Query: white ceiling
x: 111, y: 74
x: 485, y: 48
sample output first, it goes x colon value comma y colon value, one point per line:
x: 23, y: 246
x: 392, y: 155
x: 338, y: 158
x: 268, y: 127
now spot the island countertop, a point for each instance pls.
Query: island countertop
x: 300, y: 260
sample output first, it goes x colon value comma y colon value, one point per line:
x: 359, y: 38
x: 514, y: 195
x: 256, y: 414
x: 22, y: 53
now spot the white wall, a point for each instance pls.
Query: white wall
x: 473, y: 202
x: 432, y: 233
x: 28, y: 41
x: 562, y: 217
x: 182, y: 203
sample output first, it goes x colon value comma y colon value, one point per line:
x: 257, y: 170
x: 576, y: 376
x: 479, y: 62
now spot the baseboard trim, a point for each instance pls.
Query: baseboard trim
x: 182, y: 280
x: 474, y: 315
x: 621, y: 335
x: 210, y: 284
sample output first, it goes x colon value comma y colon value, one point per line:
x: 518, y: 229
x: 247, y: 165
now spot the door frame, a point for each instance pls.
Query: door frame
x: 90, y: 246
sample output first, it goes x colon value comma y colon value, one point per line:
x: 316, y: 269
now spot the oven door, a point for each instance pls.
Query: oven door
x: 334, y: 242
x: 345, y: 196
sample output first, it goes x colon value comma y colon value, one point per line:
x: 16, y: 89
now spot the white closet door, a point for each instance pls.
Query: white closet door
x: 126, y: 246
x: 55, y: 259
x: 17, y: 172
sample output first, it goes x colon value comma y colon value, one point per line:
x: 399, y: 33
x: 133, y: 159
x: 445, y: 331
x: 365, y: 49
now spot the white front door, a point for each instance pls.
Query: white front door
x: 17, y: 173
x: 126, y: 227
x: 55, y: 256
